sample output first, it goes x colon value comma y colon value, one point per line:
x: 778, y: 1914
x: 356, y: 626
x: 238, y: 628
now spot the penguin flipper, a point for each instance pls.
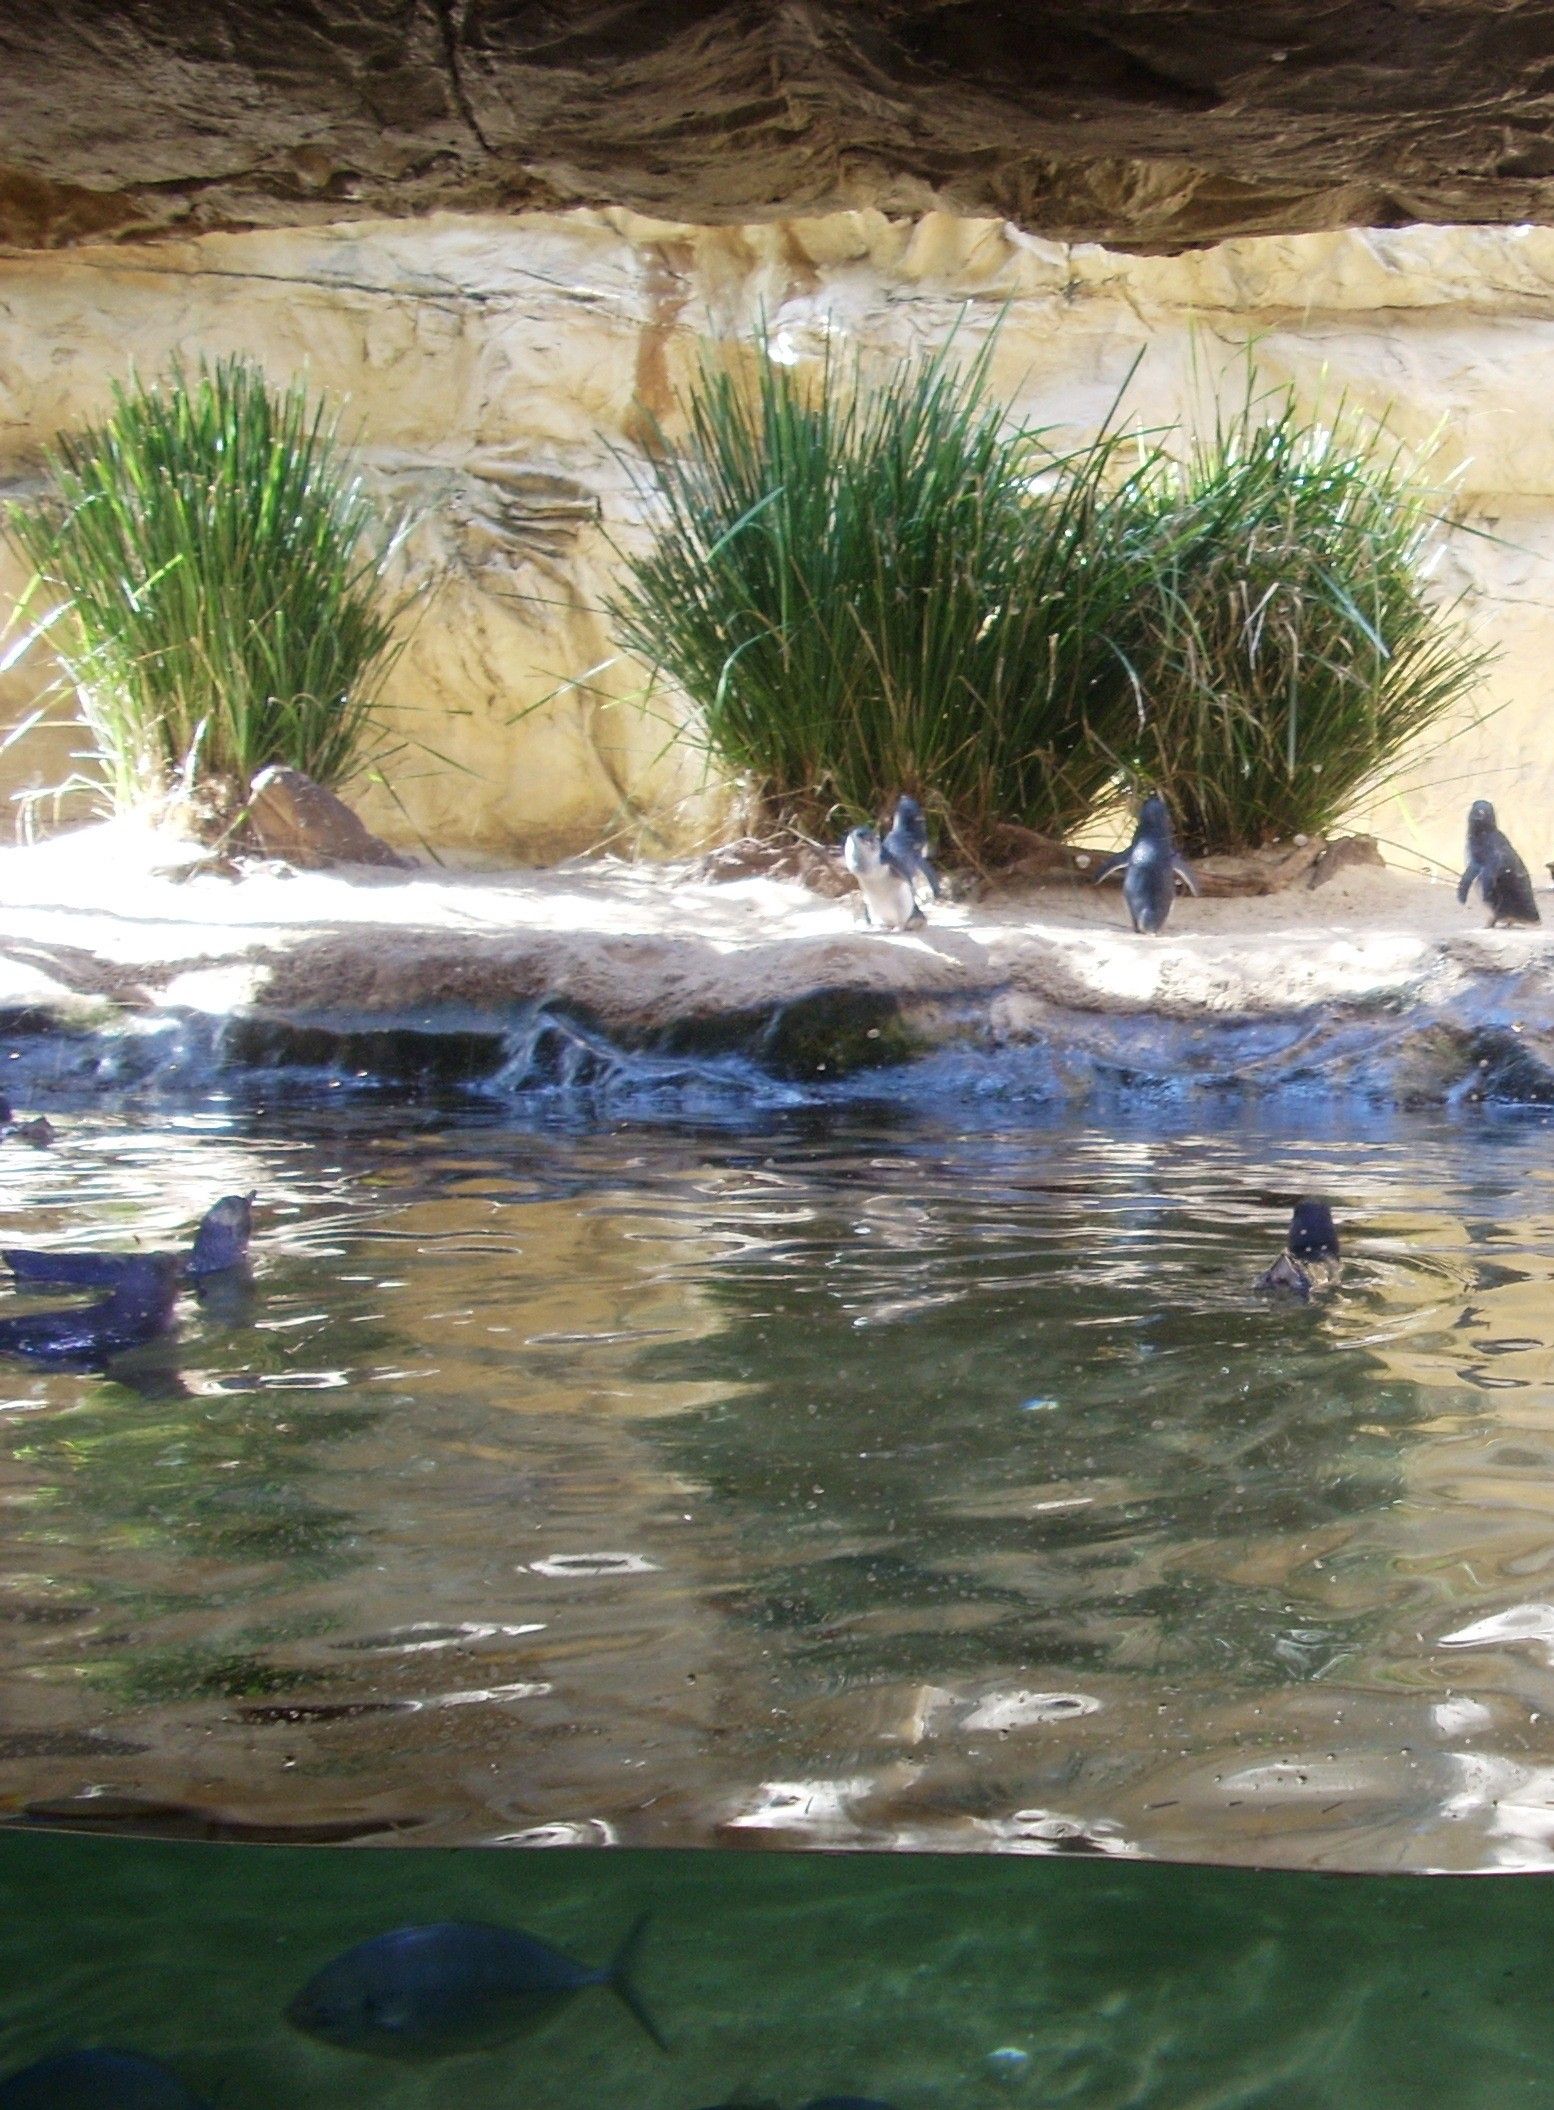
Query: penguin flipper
x: 1186, y: 875
x: 916, y: 867
x: 1465, y: 883
x: 1113, y: 865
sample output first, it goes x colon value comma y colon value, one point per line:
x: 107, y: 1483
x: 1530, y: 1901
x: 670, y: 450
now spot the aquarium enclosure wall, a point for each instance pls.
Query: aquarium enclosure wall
x: 776, y: 1057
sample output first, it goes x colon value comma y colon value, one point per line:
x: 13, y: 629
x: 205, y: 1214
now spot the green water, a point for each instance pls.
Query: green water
x: 779, y: 1977
x: 859, y: 1477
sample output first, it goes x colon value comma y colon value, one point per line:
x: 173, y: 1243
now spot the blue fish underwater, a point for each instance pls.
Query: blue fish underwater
x: 139, y: 1307
x: 455, y: 1985
x: 97, y: 2080
x: 220, y: 1244
x: 821, y: 2102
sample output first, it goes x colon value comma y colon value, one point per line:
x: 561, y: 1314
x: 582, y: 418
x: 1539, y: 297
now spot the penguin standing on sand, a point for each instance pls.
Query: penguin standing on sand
x: 1152, y: 866
x: 907, y: 846
x: 888, y: 894
x: 1501, y: 875
x: 1310, y: 1261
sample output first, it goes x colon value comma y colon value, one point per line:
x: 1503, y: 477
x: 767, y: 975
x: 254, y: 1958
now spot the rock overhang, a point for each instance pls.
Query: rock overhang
x: 1145, y: 124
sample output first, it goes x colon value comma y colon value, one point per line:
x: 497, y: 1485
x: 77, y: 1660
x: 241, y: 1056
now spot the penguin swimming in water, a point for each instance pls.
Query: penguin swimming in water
x: 886, y: 886
x: 907, y: 845
x: 1310, y: 1261
x: 220, y: 1245
x: 138, y: 1308
x: 39, y: 1132
x: 1501, y: 875
x: 1152, y: 866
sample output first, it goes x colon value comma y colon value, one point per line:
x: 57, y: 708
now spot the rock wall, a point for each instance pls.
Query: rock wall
x: 1148, y: 124
x: 501, y: 370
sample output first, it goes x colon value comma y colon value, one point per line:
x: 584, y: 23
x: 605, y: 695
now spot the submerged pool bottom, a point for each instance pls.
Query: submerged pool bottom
x: 780, y: 1978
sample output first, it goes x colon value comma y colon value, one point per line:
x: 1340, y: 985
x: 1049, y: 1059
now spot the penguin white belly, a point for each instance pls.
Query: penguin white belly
x: 889, y: 898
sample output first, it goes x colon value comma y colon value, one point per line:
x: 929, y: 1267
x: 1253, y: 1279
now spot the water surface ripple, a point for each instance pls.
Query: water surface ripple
x: 866, y: 1479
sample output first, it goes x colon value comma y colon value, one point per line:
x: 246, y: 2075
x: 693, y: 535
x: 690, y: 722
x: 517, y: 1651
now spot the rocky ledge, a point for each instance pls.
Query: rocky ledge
x: 1149, y: 123
x: 118, y: 975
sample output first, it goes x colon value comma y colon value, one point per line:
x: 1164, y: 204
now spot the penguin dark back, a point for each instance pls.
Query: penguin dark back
x: 1494, y: 865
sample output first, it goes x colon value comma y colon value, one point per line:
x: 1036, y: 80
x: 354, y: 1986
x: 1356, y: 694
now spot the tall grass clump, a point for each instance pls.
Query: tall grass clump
x: 872, y: 586
x: 221, y: 573
x: 1286, y: 645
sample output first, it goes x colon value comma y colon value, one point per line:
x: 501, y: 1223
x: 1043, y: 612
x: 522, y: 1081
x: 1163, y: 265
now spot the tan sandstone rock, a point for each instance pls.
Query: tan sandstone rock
x: 292, y: 818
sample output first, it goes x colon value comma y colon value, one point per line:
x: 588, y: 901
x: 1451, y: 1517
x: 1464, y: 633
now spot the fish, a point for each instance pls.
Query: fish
x: 220, y: 1244
x: 819, y: 2102
x: 422, y: 1992
x: 97, y: 2080
x: 139, y: 1307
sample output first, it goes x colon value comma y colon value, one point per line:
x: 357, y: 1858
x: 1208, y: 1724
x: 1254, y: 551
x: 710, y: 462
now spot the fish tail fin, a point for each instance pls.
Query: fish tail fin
x: 620, y: 1982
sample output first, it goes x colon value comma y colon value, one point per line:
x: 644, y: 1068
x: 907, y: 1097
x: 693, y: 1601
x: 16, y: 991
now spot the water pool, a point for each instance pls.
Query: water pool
x: 871, y: 1476
x: 931, y: 1983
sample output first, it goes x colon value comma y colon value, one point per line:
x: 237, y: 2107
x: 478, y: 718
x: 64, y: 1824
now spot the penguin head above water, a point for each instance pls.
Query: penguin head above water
x: 221, y: 1241
x: 1313, y: 1235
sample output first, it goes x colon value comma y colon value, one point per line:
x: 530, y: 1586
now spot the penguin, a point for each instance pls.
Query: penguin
x: 1499, y: 871
x: 220, y: 1245
x: 1152, y: 867
x: 1310, y: 1261
x: 39, y: 1132
x: 221, y: 1242
x: 137, y: 1309
x: 886, y: 885
x: 907, y: 845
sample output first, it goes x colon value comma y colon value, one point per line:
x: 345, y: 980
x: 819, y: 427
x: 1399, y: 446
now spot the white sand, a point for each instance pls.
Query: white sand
x: 93, y: 914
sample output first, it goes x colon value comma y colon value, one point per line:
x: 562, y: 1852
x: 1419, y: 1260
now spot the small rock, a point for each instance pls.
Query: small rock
x: 1345, y: 855
x: 291, y: 817
x: 754, y: 857
x: 1251, y: 872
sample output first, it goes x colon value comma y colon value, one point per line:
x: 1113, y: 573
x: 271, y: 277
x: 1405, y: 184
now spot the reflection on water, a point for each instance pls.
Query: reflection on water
x: 937, y: 1984
x: 865, y: 1480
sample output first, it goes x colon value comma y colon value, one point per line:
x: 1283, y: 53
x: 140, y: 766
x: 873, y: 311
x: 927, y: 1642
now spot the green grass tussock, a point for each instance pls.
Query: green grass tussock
x: 872, y: 586
x: 869, y: 585
x: 1286, y: 646
x: 222, y: 574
